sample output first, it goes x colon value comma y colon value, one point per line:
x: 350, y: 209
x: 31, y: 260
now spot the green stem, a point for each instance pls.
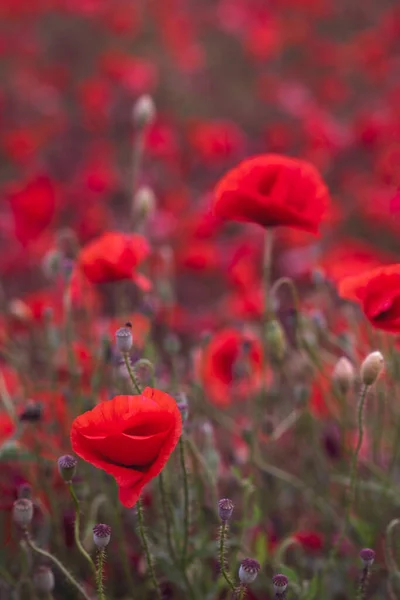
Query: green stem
x: 136, y: 164
x: 167, y: 514
x: 186, y: 500
x: 132, y: 375
x: 242, y: 592
x: 144, y: 362
x: 145, y: 545
x: 58, y: 564
x: 390, y: 559
x: 77, y: 529
x: 99, y: 574
x: 223, y: 534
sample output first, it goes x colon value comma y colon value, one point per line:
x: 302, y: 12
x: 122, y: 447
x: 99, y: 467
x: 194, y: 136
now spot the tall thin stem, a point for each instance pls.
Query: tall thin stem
x: 99, y: 575
x: 222, y: 536
x: 78, y: 542
x: 186, y: 500
x: 146, y: 548
x: 132, y: 375
x: 167, y: 514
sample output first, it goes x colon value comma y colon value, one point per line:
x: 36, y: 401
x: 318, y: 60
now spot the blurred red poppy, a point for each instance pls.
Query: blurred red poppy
x: 129, y: 437
x: 378, y: 292
x: 113, y: 257
x: 272, y: 190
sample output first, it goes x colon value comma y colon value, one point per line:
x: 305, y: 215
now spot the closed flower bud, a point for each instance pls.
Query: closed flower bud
x: 367, y: 556
x: 371, y: 368
x: 101, y: 535
x: 144, y: 111
x: 248, y: 570
x: 124, y: 338
x: 43, y: 580
x: 275, y: 339
x: 22, y: 512
x: 67, y: 467
x: 225, y: 509
x: 343, y: 375
x: 144, y: 202
x: 280, y: 583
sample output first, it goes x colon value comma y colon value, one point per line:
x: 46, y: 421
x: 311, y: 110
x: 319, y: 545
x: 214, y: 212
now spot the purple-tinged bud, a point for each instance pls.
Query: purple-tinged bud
x: 124, y: 338
x: 225, y: 509
x: 280, y: 583
x: 43, y: 579
x: 144, y: 111
x: 22, y: 512
x: 248, y: 570
x: 367, y: 556
x: 101, y: 535
x: 67, y: 467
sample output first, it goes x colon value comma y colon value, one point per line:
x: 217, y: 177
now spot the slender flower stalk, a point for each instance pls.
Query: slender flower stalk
x: 132, y: 375
x: 222, y: 537
x: 78, y: 542
x: 146, y: 548
x: 58, y: 564
x: 99, y: 575
x: 167, y: 514
x: 186, y: 501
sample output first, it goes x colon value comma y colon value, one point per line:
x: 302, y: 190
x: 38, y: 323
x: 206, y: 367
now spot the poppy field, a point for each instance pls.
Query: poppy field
x: 199, y: 300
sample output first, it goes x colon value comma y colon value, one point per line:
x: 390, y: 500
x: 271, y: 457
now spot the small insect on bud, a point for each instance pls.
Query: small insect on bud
x: 67, y: 467
x: 367, y: 556
x: 124, y: 339
x: 225, y: 509
x: 280, y: 583
x: 144, y: 111
x: 22, y: 512
x: 371, y: 368
x: 275, y: 339
x: 343, y: 375
x: 43, y: 579
x: 248, y: 570
x: 101, y: 535
x: 144, y: 202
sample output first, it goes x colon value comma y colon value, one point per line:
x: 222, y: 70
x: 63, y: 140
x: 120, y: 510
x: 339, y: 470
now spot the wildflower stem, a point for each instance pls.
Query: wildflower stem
x: 362, y: 588
x: 390, y: 559
x: 146, y: 548
x: 99, y: 574
x: 132, y: 374
x: 167, y: 514
x: 57, y: 563
x: 77, y: 529
x: 223, y: 534
x: 186, y: 500
x: 241, y: 592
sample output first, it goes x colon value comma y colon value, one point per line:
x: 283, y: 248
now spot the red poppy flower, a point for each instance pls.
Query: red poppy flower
x: 113, y: 257
x: 129, y: 437
x: 309, y: 540
x: 378, y: 292
x: 272, y: 190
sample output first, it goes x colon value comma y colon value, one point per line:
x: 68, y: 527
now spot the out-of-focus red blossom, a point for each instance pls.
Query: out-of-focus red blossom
x: 198, y: 256
x: 322, y: 402
x: 310, y: 541
x: 273, y: 190
x: 129, y: 437
x: 137, y: 75
x: 216, y: 141
x: 114, y: 257
x: 378, y: 293
x: 162, y: 141
x: 231, y: 366
x: 33, y: 204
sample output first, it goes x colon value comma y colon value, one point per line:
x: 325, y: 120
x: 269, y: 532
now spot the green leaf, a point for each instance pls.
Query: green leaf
x: 290, y: 574
x: 364, y: 530
x: 261, y: 548
x: 312, y: 588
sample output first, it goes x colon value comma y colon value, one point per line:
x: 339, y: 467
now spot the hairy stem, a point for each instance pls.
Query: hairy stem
x: 77, y: 529
x: 132, y: 375
x: 99, y: 574
x: 223, y: 534
x: 186, y: 500
x: 146, y: 549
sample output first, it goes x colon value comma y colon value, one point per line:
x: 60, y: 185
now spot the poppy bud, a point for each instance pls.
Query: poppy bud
x: 343, y: 375
x: 248, y: 570
x: 371, y: 368
x: 67, y: 467
x: 367, y: 556
x: 144, y: 111
x: 144, y: 202
x: 225, y: 509
x: 280, y: 583
x: 124, y: 338
x: 22, y: 512
x: 101, y: 535
x: 275, y: 339
x: 43, y: 579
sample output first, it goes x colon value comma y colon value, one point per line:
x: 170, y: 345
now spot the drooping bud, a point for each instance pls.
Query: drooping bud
x: 124, y: 339
x: 225, y: 509
x: 367, y: 556
x: 371, y: 368
x: 101, y: 535
x: 67, y: 467
x: 248, y: 570
x: 43, y: 579
x: 280, y: 583
x: 144, y: 202
x: 275, y: 340
x: 144, y: 111
x: 343, y: 375
x: 22, y: 512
